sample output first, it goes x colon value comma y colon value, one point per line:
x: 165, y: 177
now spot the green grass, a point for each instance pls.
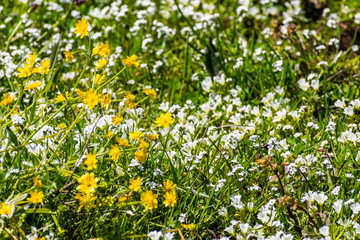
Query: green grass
x: 256, y: 132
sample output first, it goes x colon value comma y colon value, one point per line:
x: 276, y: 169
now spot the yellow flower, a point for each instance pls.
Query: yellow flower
x: 81, y: 27
x: 141, y: 155
x: 104, y: 100
x: 115, y: 152
x: 151, y: 137
x: 149, y: 200
x: 62, y: 125
x: 37, y: 182
x: 144, y: 144
x: 7, y: 99
x: 116, y: 120
x: 130, y: 100
x: 189, y: 227
x: 36, y: 197
x: 99, y: 79
x: 101, y: 63
x: 79, y: 92
x: 91, y: 161
x: 136, y: 135
x: 90, y: 98
x: 169, y: 186
x: 26, y: 71
x: 86, y: 201
x: 164, y: 120
x: 68, y: 56
x: 170, y: 199
x: 133, y: 60
x: 31, y: 59
x: 33, y: 85
x: 87, y: 183
x: 40, y: 238
x: 102, y: 49
x: 106, y: 201
x: 110, y: 134
x: 135, y: 184
x: 151, y: 93
x: 124, y: 197
x: 61, y: 98
x: 45, y: 66
x: 6, y: 210
x: 122, y: 142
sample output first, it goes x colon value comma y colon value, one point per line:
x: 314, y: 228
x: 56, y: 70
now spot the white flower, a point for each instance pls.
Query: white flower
x: 169, y: 236
x: 338, y: 205
x: 16, y: 119
x: 349, y: 111
x: 324, y: 231
x: 155, y: 235
x: 250, y: 205
x: 278, y: 65
x: 303, y: 84
x: 206, y: 84
x: 357, y: 228
x: 320, y: 198
x: 223, y: 211
x: 236, y: 202
x: 355, y: 208
x: 340, y: 103
x: 315, y: 84
x: 182, y: 217
x: 230, y: 229
x: 244, y: 227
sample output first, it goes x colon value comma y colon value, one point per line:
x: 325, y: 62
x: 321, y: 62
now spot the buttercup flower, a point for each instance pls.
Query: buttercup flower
x: 81, y: 28
x: 149, y: 200
x: 135, y: 184
x: 36, y: 197
x: 91, y: 161
x: 87, y: 183
x: 133, y: 60
x: 165, y: 120
x: 68, y: 56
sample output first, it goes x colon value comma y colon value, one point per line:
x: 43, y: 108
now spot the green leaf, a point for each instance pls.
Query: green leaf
x: 40, y: 210
x: 18, y: 198
x: 12, y: 136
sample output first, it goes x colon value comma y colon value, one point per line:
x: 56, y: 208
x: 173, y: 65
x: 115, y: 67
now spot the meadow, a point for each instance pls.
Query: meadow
x: 179, y: 119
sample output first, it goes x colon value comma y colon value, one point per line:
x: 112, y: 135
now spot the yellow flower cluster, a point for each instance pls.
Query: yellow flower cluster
x: 7, y: 99
x: 29, y: 67
x: 170, y: 195
x: 87, y: 186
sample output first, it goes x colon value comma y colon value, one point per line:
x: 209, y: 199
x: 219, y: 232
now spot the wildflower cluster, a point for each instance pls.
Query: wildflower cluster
x: 179, y: 119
